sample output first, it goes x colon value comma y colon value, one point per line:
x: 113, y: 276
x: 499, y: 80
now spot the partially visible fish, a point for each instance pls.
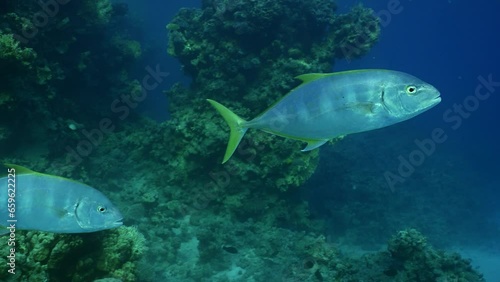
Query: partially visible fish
x: 35, y: 201
x: 330, y: 105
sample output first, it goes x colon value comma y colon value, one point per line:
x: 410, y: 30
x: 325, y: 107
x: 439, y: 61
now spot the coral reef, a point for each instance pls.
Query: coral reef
x: 13, y: 54
x: 59, y: 69
x: 52, y: 60
x: 412, y: 259
x: 56, y: 257
x: 214, y: 249
x: 100, y: 11
x: 121, y: 250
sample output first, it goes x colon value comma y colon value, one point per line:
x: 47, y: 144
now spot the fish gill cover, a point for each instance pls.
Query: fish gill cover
x: 194, y: 217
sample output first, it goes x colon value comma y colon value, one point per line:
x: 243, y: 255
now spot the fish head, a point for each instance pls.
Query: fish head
x: 96, y: 213
x: 406, y: 96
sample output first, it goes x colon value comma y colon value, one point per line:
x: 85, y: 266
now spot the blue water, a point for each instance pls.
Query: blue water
x: 452, y: 195
x: 450, y: 44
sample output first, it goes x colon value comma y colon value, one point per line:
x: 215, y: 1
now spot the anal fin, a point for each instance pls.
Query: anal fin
x: 313, y: 144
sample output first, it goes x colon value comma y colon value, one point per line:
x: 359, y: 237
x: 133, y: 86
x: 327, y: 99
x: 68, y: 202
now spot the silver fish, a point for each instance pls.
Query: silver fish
x: 326, y: 106
x: 35, y: 201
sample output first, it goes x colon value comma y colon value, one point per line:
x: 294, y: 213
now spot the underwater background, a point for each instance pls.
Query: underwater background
x: 272, y: 213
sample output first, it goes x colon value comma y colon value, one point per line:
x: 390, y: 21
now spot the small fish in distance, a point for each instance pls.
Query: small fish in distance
x: 330, y: 105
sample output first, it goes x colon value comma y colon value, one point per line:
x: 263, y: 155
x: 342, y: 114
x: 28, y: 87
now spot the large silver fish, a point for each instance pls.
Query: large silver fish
x: 36, y: 201
x: 330, y: 105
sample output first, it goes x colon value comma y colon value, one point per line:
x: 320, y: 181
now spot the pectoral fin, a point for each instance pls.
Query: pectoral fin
x: 313, y: 144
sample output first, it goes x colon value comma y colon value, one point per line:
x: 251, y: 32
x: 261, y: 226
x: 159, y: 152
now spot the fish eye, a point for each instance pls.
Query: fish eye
x: 410, y: 89
x: 101, y: 209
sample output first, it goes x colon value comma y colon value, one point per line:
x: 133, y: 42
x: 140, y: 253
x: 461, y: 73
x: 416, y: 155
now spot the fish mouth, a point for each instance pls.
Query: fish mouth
x: 436, y: 100
x: 437, y: 97
x: 433, y: 101
x: 117, y: 223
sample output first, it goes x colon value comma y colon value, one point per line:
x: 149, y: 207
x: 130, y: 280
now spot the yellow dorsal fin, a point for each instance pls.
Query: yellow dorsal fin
x: 18, y: 169
x: 308, y: 77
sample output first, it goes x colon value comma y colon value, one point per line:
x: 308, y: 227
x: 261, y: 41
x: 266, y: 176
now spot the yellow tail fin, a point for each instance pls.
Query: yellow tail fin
x: 235, y: 125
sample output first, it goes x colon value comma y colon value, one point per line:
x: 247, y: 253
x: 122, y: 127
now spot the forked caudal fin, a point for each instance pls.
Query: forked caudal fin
x: 235, y: 125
